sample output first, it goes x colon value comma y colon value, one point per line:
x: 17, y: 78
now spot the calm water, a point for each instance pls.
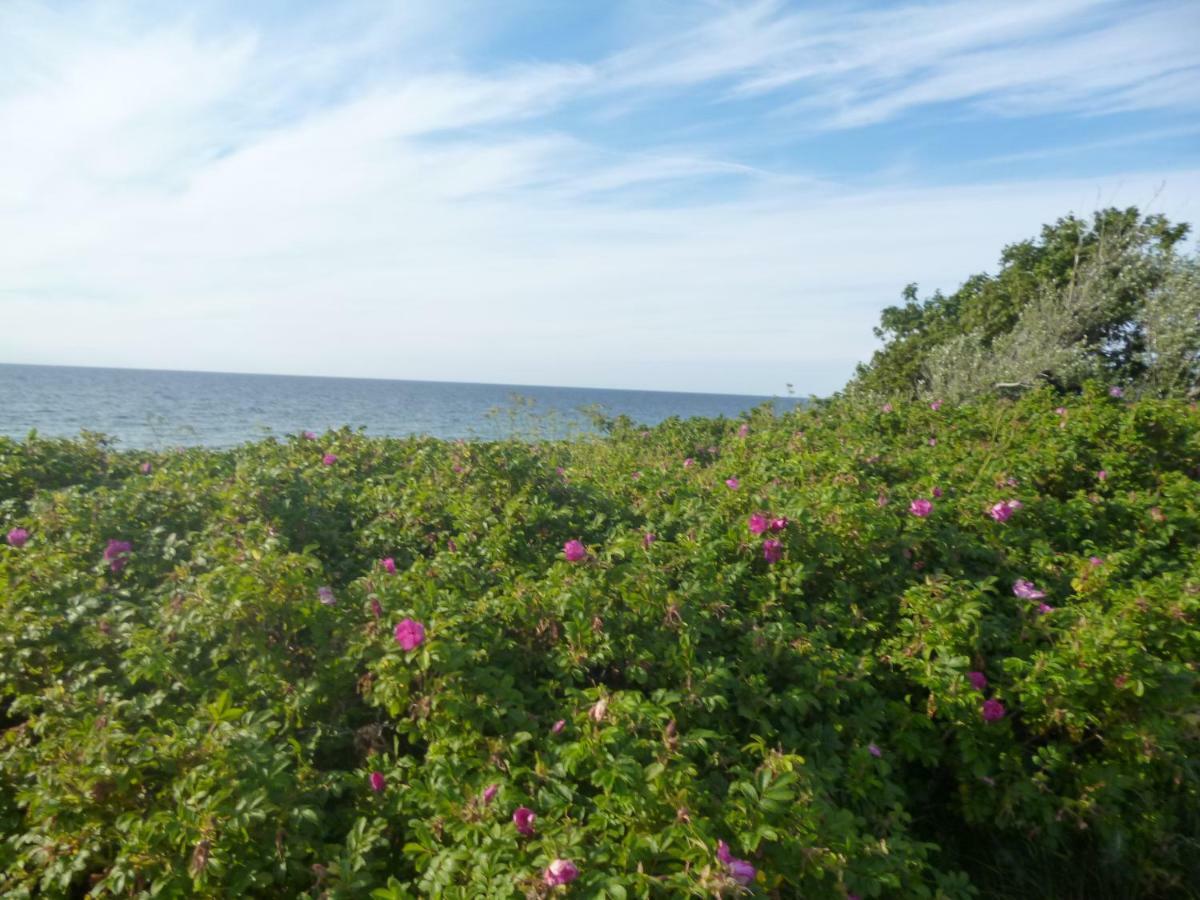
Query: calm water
x: 153, y: 409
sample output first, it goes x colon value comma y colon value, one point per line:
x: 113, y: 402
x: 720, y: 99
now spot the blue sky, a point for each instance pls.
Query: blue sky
x: 710, y: 196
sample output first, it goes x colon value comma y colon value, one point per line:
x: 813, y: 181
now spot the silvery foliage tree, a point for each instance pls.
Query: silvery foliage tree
x: 1170, y: 320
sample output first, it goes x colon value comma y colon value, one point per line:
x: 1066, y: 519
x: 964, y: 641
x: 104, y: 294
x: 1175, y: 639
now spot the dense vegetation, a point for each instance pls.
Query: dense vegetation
x: 1116, y: 298
x: 929, y: 650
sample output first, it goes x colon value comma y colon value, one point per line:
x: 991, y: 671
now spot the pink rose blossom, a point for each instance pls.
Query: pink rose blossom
x: 325, y: 595
x: 328, y: 459
x: 921, y: 508
x: 598, y: 710
x: 1096, y: 561
x: 978, y: 681
x: 17, y: 538
x: 409, y: 634
x: 116, y: 554
x: 309, y: 435
x: 560, y: 871
x: 1062, y: 410
x: 1102, y: 475
x: 887, y: 407
x: 772, y: 550
x: 933, y: 442
x: 743, y: 431
x: 874, y: 750
x: 688, y: 463
x: 1026, y: 591
x: 648, y: 538
x: 993, y: 710
x: 378, y: 782
x: 1116, y: 391
x: 881, y: 501
x: 741, y: 871
x: 732, y: 483
x: 757, y: 523
x: 523, y: 817
x: 389, y: 565
x: 779, y: 523
x: 558, y: 726
x: 937, y: 493
x: 489, y: 792
x: 935, y: 405
x: 1003, y: 510
x: 574, y: 551
x: 146, y: 468
x: 1044, y: 608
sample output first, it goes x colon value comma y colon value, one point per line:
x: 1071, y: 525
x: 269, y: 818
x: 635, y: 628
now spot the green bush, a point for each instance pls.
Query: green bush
x: 190, y: 719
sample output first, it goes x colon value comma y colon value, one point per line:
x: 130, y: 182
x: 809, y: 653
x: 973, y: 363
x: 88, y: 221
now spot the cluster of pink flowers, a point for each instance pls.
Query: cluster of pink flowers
x: 1003, y: 510
x: 17, y: 537
x: 739, y: 869
x: 116, y: 554
x: 760, y: 522
x: 409, y: 634
x: 574, y: 551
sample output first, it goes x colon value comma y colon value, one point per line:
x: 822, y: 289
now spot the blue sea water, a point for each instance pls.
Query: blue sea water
x: 143, y: 408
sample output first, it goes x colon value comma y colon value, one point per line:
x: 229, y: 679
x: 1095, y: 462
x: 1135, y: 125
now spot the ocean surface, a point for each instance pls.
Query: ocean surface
x: 150, y: 409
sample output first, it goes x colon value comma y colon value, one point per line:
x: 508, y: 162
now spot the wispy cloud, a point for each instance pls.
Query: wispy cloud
x: 361, y: 191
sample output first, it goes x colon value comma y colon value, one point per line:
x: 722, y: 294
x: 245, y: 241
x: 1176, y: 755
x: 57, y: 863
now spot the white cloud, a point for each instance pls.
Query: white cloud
x: 167, y: 200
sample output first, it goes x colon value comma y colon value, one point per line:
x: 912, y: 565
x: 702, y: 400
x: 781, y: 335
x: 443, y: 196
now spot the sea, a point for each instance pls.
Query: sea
x: 152, y: 409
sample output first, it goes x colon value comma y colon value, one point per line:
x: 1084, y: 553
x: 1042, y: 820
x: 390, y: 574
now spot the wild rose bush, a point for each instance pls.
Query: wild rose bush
x: 587, y: 668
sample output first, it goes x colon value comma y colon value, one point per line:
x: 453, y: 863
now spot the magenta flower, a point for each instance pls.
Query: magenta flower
x: 648, y: 538
x: 935, y: 405
x: 558, y: 726
x: 978, y: 681
x: 560, y: 871
x: 1026, y: 591
x: 325, y: 595
x: 17, y: 538
x: 1115, y: 391
x: 772, y: 550
x: 688, y: 463
x: 757, y: 523
x: 1044, y: 608
x: 1003, y: 510
x: 378, y: 782
x: 309, y: 435
x: 524, y: 817
x: 389, y: 565
x: 1102, y: 474
x: 574, y: 551
x: 779, y: 523
x: 328, y: 459
x: 741, y: 871
x: 116, y: 554
x: 489, y: 792
x: 887, y: 407
x: 874, y: 750
x: 732, y: 483
x: 920, y: 507
x: 937, y: 493
x: 881, y: 501
x: 743, y: 431
x: 993, y: 710
x: 1096, y: 561
x: 146, y: 468
x: 409, y: 634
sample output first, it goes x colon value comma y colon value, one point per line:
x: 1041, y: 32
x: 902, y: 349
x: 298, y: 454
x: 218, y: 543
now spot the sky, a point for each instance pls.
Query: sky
x: 697, y: 196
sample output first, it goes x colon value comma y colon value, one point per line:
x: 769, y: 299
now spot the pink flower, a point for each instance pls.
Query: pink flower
x: 560, y: 871
x: 978, y: 681
x: 17, y: 538
x: 489, y: 792
x: 558, y: 726
x: 328, y: 459
x: 1102, y: 474
x: 636, y: 475
x: 887, y: 407
x: 1003, y: 510
x: 145, y: 468
x: 409, y: 634
x: 389, y: 565
x: 757, y: 523
x: 1026, y: 591
x: 1044, y: 608
x: 779, y: 523
x: 378, y: 782
x: 116, y: 554
x: 920, y: 507
x: 1061, y: 410
x: 451, y: 546
x: 1115, y: 391
x: 881, y: 501
x: 772, y: 550
x: 574, y: 551
x: 309, y: 435
x: 743, y: 431
x: 935, y: 405
x: 937, y: 493
x: 741, y: 871
x: 376, y: 608
x: 732, y: 483
x: 1096, y: 561
x: 648, y: 538
x: 874, y: 750
x: 524, y: 818
x: 325, y: 595
x: 993, y: 710
x: 599, y: 708
x: 933, y: 442
x: 688, y: 463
